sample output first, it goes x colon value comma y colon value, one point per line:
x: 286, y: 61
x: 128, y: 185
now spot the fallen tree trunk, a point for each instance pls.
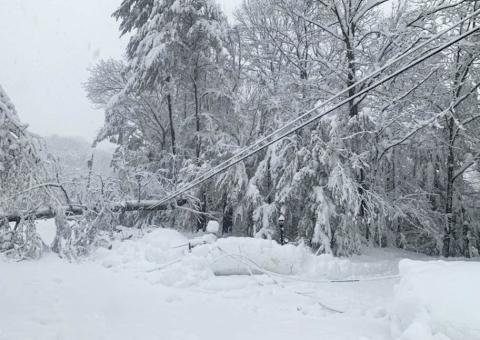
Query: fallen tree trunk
x: 39, y: 214
x: 128, y: 206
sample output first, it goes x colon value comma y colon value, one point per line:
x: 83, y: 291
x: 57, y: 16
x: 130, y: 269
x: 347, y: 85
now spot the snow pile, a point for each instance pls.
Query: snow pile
x: 243, y: 255
x: 154, y: 247
x: 164, y: 256
x: 159, y: 256
x: 213, y: 227
x: 437, y: 300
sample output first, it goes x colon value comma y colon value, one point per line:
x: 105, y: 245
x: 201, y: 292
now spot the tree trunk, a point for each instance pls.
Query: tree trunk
x: 269, y: 182
x: 128, y: 206
x: 353, y: 112
x: 202, y: 219
x: 352, y: 69
x: 450, y: 218
x: 197, y: 116
x: 352, y: 107
x: 170, y: 117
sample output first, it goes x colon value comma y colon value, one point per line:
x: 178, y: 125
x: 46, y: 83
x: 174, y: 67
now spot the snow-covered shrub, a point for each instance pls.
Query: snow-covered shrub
x: 21, y: 241
x: 79, y: 236
x: 19, y: 159
x: 21, y: 170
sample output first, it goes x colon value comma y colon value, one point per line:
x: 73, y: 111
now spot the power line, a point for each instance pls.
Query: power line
x: 291, y: 123
x: 290, y: 127
x: 261, y: 144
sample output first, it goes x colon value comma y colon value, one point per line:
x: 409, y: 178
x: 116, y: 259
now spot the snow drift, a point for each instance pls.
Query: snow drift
x: 243, y: 256
x: 437, y: 300
x: 163, y: 256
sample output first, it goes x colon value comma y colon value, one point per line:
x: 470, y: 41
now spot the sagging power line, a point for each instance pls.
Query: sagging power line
x: 305, y: 119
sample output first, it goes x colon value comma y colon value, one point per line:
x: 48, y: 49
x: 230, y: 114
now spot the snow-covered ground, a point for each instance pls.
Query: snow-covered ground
x: 154, y: 288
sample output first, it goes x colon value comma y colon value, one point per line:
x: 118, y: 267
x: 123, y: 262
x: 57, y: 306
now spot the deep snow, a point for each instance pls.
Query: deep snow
x: 153, y: 288
x: 437, y: 300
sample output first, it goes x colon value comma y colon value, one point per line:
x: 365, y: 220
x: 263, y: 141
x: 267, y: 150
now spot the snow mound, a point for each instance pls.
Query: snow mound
x: 165, y: 256
x: 437, y: 300
x: 213, y: 227
x: 154, y: 247
x: 159, y: 256
x: 243, y: 255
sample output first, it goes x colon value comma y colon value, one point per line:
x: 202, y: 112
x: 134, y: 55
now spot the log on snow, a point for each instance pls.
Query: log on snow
x: 40, y: 214
x: 128, y: 206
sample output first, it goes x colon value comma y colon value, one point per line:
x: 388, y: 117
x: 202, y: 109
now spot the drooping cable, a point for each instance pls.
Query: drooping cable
x: 307, y: 118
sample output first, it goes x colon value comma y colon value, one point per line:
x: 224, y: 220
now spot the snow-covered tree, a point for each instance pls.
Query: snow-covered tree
x: 21, y: 170
x: 391, y: 167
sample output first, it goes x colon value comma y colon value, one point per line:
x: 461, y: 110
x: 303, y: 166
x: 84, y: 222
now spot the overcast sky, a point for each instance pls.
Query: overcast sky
x: 46, y: 47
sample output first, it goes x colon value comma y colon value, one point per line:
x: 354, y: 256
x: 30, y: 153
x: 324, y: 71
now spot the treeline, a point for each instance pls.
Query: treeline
x: 397, y: 166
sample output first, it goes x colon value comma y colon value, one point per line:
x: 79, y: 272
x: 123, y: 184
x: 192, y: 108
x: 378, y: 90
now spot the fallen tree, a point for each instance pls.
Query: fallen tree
x: 76, y: 210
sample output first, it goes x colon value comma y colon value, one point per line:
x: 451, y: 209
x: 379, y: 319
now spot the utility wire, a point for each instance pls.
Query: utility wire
x: 291, y: 126
x: 388, y: 64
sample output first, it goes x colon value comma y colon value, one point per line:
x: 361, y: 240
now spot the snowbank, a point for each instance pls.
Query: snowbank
x: 153, y: 247
x: 243, y: 255
x: 437, y: 300
x: 162, y: 256
x: 159, y: 256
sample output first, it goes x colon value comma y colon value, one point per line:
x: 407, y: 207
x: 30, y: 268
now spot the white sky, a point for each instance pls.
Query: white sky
x: 46, y: 47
